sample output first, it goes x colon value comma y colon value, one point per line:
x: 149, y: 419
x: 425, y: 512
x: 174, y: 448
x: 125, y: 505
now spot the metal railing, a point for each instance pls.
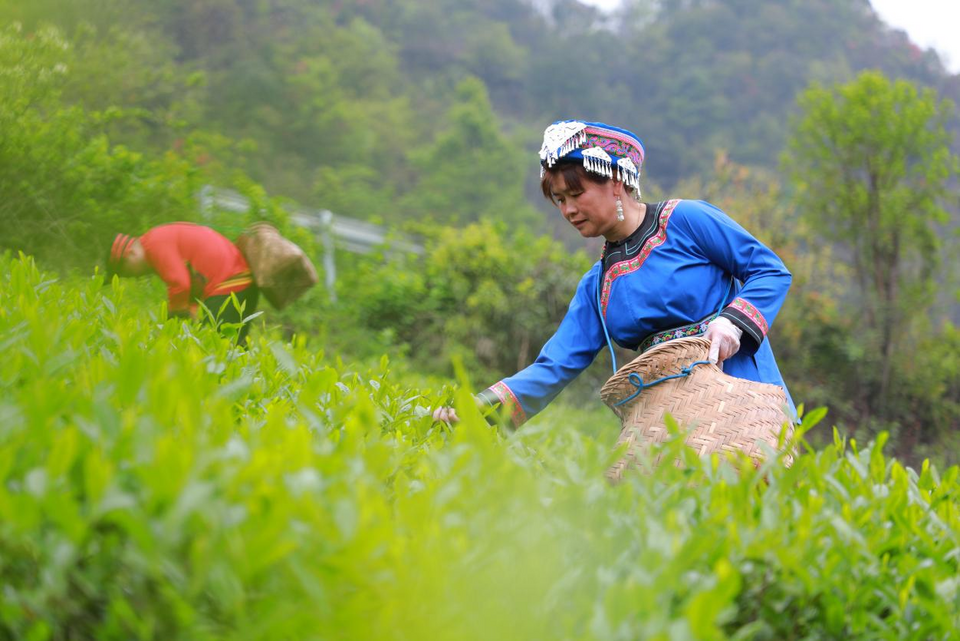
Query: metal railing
x: 334, y: 232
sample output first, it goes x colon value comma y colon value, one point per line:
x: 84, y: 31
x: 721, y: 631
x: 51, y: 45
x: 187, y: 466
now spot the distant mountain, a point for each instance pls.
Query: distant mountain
x: 350, y: 104
x: 689, y: 76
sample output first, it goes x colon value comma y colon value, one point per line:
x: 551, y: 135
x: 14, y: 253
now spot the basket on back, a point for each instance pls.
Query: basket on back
x: 721, y: 412
x: 281, y: 270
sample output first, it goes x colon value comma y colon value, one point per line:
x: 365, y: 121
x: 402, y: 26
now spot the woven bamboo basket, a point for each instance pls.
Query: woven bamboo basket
x: 721, y: 413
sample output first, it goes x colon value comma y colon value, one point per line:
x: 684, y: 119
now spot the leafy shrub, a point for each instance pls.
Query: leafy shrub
x: 486, y: 295
x: 68, y: 188
x: 158, y: 482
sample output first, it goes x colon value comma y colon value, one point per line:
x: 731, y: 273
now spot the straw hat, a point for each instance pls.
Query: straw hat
x: 721, y: 412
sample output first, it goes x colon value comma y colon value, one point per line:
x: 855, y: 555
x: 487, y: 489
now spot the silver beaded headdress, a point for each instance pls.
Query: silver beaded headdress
x: 604, y: 150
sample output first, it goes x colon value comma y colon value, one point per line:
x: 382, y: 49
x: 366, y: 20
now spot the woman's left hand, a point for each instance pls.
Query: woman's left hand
x: 724, y: 339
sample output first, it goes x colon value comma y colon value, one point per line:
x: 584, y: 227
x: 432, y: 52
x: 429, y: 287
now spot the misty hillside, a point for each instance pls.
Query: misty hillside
x: 366, y: 106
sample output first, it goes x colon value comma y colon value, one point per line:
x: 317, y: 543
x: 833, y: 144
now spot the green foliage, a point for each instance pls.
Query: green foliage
x: 320, y: 89
x: 488, y: 295
x: 471, y: 171
x: 67, y: 188
x: 871, y: 163
x: 420, y: 115
x: 131, y: 73
x: 157, y: 482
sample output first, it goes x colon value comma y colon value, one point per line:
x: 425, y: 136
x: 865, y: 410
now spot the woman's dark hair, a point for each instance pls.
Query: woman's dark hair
x: 573, y: 175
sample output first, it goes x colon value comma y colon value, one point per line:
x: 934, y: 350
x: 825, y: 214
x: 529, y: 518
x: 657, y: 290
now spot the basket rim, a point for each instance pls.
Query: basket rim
x: 622, y: 375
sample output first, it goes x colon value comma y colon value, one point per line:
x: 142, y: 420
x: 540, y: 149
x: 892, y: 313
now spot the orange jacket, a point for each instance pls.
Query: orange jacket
x: 195, y: 262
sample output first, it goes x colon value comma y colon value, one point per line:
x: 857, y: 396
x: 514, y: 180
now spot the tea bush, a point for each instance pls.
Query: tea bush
x: 157, y: 482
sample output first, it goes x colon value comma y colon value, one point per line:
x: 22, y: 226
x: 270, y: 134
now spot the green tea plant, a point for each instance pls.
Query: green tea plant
x: 157, y: 482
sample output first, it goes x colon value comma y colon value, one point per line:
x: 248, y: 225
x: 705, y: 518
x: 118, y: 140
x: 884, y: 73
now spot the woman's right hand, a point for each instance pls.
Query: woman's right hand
x: 445, y: 415
x: 724, y: 339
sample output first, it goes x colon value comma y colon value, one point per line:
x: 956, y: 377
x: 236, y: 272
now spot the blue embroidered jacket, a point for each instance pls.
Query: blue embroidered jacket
x: 671, y: 282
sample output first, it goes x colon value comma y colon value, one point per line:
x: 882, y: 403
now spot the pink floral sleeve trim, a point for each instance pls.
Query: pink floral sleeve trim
x: 507, y: 398
x: 751, y: 313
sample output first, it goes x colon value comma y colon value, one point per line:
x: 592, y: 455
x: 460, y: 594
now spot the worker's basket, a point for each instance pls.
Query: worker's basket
x: 281, y: 270
x: 720, y: 413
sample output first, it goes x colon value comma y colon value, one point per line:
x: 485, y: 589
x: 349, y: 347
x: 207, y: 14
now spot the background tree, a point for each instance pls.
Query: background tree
x: 870, y: 161
x: 65, y: 186
x: 472, y: 170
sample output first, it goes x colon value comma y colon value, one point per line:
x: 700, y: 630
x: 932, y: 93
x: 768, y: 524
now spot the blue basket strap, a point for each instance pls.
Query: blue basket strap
x: 637, y: 382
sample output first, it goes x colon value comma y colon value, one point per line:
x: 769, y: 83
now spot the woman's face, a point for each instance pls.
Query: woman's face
x: 592, y: 210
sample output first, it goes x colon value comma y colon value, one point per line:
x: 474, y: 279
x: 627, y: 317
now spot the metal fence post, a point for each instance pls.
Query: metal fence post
x: 329, y: 262
x: 206, y: 201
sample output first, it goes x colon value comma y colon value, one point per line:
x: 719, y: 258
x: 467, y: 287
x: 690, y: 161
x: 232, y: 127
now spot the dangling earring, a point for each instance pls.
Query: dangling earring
x: 619, y: 209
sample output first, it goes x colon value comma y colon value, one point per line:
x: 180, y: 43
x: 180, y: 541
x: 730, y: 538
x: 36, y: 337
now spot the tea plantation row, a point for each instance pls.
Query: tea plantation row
x: 158, y: 483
